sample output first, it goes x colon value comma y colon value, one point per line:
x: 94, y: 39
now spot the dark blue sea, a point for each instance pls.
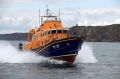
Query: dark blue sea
x: 96, y: 60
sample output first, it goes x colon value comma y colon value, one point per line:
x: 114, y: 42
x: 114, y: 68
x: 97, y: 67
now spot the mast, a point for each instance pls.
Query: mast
x: 48, y: 15
x: 59, y: 14
x: 47, y: 11
x: 39, y: 17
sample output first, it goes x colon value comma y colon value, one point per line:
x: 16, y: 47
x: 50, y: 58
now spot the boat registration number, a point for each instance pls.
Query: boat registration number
x: 56, y: 46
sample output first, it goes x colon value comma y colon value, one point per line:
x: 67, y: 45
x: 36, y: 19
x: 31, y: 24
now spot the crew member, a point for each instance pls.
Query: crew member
x: 20, y: 45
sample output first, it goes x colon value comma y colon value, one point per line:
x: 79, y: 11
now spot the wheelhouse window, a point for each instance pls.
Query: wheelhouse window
x: 65, y: 31
x: 59, y: 31
x: 49, y: 32
x: 45, y: 33
x: 53, y: 31
x: 41, y: 35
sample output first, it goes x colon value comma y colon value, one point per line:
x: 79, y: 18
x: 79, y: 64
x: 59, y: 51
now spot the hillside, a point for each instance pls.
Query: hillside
x: 110, y: 33
x: 14, y: 36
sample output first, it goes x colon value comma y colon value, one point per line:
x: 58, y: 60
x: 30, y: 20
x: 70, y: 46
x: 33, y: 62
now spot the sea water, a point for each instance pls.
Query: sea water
x: 96, y: 60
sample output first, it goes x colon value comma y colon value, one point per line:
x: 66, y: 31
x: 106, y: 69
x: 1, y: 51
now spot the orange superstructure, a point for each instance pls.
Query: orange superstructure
x: 50, y: 30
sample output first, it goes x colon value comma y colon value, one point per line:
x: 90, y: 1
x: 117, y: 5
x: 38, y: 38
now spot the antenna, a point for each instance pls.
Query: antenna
x: 47, y: 11
x: 59, y: 14
x: 39, y: 17
x: 47, y: 6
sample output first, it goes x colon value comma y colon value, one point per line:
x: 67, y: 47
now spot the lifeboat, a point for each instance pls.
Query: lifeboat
x: 52, y: 40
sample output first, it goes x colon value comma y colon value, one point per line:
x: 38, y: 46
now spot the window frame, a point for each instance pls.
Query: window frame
x: 60, y: 30
x: 53, y: 32
x: 65, y: 31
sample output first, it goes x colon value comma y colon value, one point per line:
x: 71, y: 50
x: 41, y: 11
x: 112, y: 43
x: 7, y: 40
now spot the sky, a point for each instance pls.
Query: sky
x: 23, y: 15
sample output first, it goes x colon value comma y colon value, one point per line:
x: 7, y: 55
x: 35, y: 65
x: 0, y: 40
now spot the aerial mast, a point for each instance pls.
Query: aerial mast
x: 39, y: 17
x: 47, y: 11
x: 59, y: 14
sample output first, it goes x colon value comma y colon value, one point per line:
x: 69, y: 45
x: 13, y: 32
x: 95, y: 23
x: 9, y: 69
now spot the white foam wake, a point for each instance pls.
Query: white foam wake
x: 85, y: 55
x: 10, y: 54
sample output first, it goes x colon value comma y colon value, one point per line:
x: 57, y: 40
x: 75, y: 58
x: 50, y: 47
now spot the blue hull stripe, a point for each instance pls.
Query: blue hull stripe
x: 61, y: 47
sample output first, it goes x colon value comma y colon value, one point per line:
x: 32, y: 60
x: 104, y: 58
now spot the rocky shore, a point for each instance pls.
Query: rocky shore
x: 109, y: 33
